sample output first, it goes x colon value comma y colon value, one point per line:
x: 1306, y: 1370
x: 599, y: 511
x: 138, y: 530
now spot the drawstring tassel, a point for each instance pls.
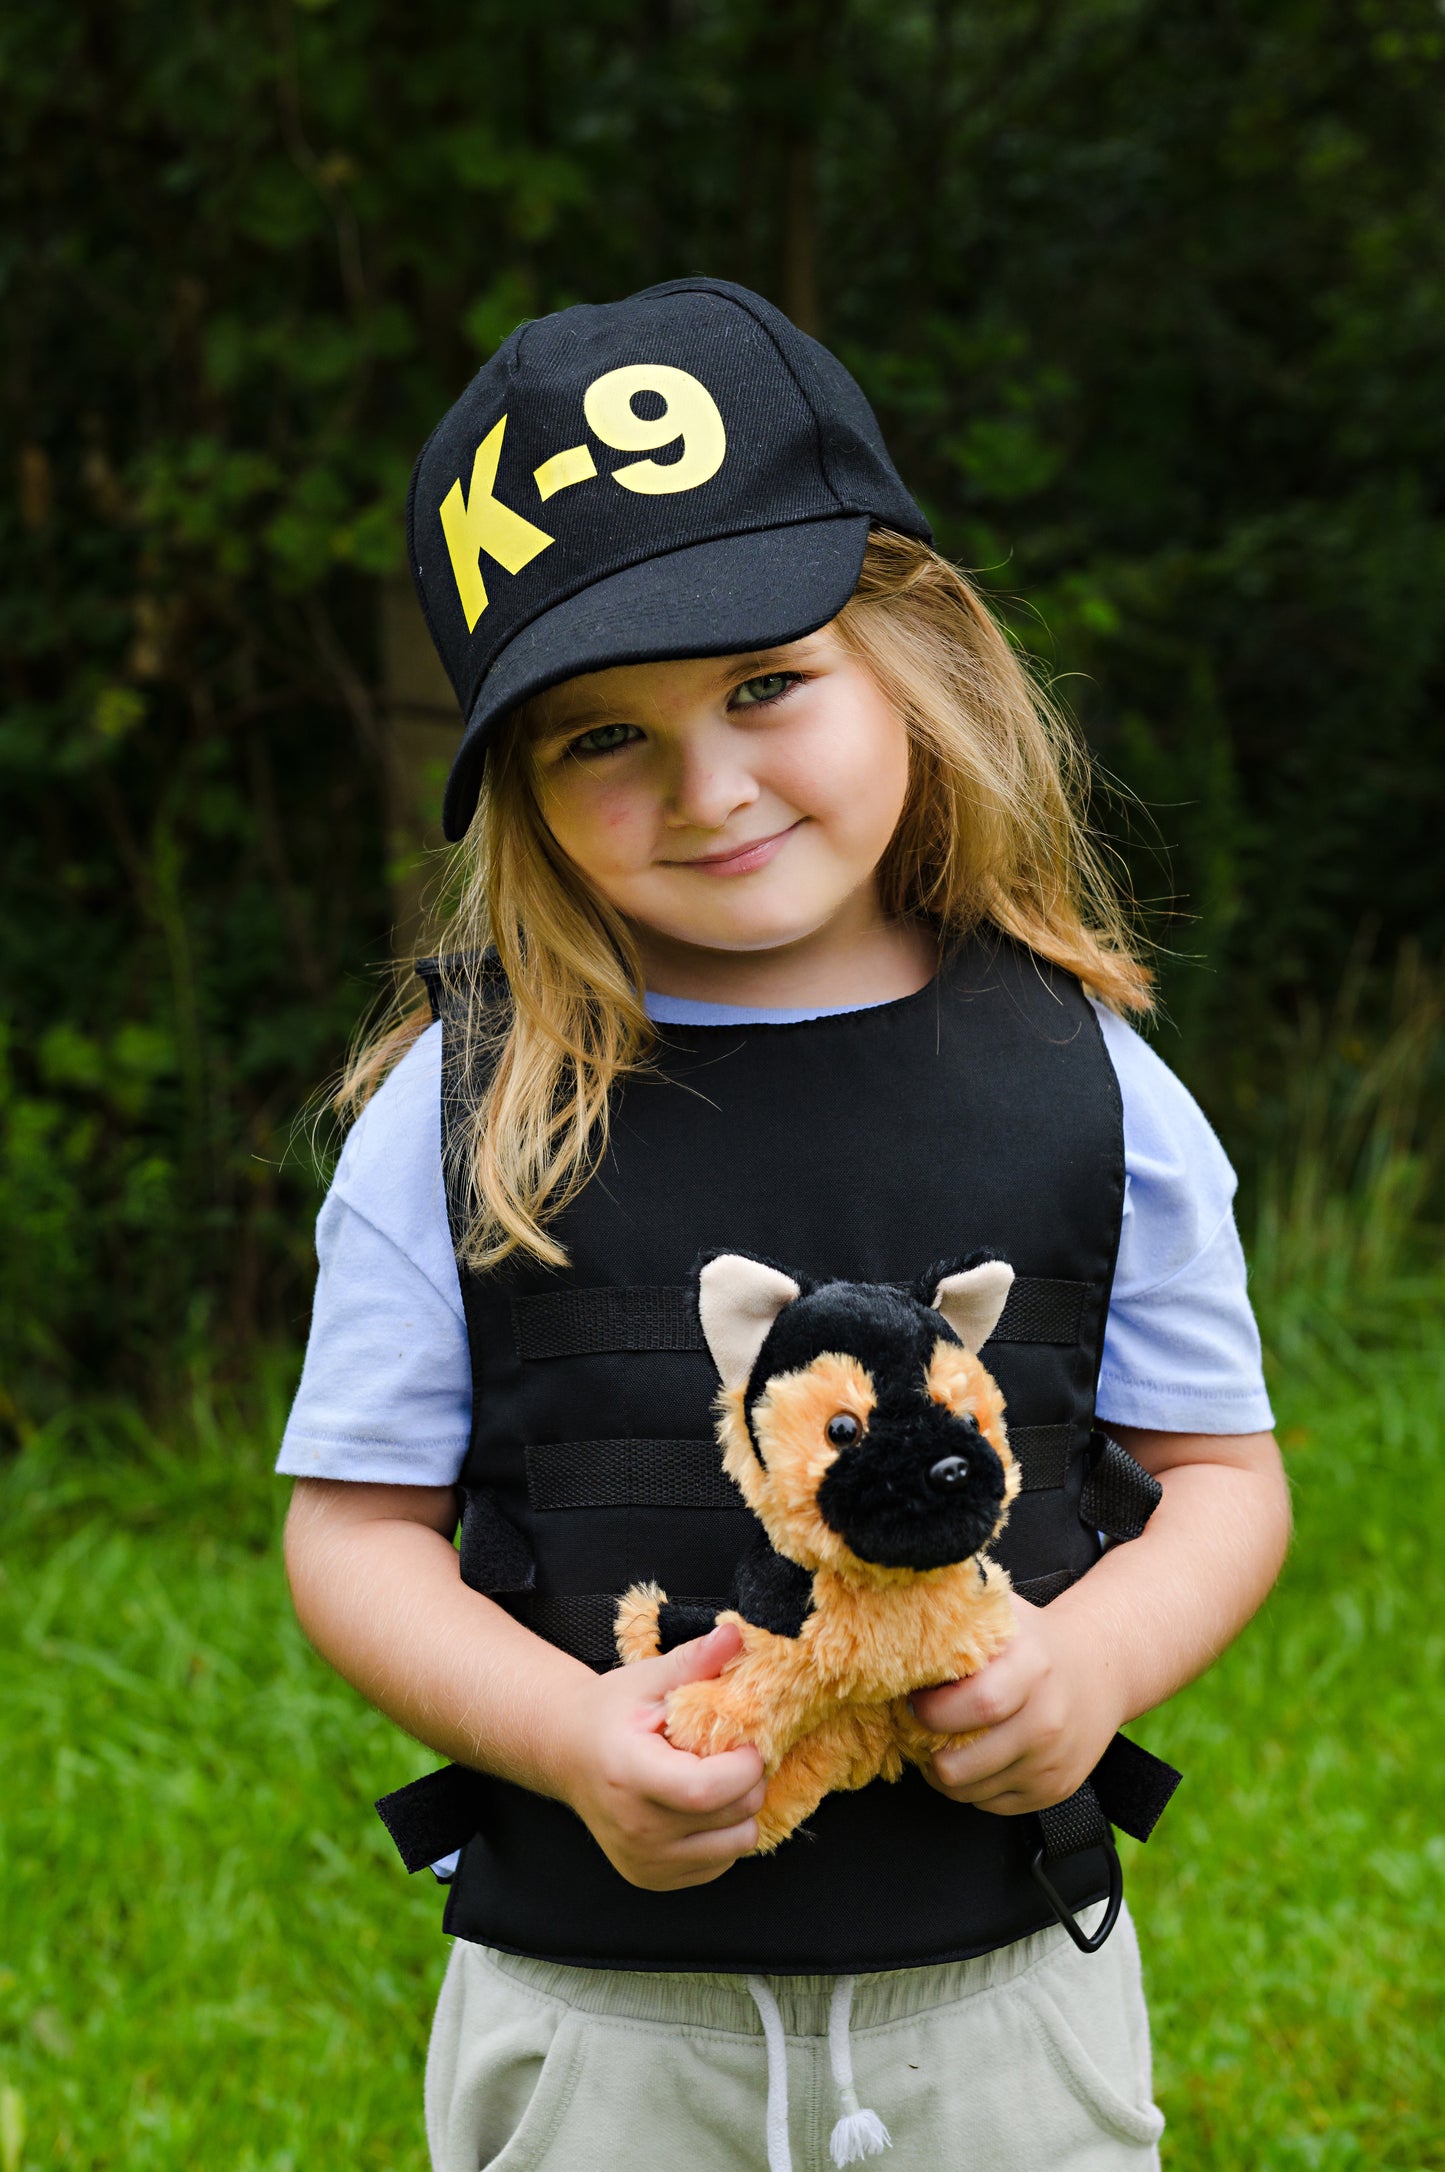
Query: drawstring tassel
x: 780, y: 2157
x: 859, y: 2133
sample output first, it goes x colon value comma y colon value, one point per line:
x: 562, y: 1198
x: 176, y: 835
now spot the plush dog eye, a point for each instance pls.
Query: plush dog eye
x: 844, y: 1429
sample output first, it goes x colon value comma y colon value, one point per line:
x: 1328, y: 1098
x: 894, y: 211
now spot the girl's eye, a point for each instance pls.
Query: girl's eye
x: 757, y: 693
x: 603, y: 738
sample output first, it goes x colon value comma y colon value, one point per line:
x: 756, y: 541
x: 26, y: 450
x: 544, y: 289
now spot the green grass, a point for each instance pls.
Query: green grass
x: 1292, y: 1904
x: 209, y: 1957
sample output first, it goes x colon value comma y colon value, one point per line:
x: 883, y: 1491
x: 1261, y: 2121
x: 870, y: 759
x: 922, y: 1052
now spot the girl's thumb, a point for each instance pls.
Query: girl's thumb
x: 702, y: 1657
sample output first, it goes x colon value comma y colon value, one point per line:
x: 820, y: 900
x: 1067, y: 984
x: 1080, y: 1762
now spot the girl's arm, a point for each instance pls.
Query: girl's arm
x: 1148, y: 1617
x: 378, y: 1591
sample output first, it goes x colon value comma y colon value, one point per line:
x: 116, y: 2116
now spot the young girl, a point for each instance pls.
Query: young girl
x: 778, y: 933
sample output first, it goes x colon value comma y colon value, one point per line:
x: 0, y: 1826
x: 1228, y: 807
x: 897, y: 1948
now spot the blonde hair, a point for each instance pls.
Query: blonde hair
x: 992, y: 834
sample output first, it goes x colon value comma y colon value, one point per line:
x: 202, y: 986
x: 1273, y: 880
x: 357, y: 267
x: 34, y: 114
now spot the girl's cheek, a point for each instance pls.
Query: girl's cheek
x: 619, y: 822
x: 849, y: 787
x: 851, y: 755
x: 600, y: 826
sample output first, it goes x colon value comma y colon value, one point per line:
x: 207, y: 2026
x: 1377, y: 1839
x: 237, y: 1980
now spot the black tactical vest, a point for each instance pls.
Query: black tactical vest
x: 982, y: 1112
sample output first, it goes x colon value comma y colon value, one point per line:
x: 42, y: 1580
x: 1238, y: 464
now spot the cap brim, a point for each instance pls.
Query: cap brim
x: 737, y: 592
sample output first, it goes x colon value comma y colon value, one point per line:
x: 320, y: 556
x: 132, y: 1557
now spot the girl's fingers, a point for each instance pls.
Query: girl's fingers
x: 987, y: 1699
x: 987, y: 1795
x: 1022, y: 1785
x: 720, y: 1848
x: 999, y: 1789
x: 697, y: 1787
x: 982, y: 1765
x: 1010, y: 1804
x: 718, y: 1821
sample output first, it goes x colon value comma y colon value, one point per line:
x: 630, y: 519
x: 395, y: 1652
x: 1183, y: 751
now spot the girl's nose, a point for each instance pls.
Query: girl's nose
x: 709, y: 785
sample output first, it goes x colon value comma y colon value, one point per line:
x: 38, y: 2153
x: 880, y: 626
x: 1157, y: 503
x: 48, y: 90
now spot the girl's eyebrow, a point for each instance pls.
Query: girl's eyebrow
x: 761, y: 664
x: 730, y: 671
x: 580, y: 721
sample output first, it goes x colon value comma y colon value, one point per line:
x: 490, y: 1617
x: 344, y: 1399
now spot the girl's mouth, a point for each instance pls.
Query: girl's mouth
x: 741, y: 859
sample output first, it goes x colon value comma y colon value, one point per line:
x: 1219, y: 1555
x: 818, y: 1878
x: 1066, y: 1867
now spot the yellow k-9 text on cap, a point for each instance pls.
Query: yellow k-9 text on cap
x: 477, y: 524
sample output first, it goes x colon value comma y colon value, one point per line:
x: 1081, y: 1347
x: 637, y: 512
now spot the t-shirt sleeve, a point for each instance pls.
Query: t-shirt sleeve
x: 385, y: 1393
x: 1181, y: 1348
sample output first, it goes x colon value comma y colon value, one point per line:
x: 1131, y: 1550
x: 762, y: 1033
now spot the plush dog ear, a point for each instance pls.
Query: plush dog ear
x: 738, y: 1300
x: 972, y: 1300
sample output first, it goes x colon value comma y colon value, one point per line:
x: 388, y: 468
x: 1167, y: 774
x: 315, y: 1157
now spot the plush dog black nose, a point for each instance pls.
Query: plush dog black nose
x: 948, y: 1473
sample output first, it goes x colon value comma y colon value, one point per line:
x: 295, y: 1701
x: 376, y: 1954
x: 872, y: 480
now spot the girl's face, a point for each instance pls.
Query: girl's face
x: 734, y: 803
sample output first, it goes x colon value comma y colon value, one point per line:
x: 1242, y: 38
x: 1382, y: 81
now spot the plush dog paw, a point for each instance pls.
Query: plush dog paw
x: 720, y: 1714
x: 847, y: 1750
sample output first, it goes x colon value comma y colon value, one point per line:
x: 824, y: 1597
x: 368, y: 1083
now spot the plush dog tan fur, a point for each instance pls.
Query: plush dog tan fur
x: 868, y: 1465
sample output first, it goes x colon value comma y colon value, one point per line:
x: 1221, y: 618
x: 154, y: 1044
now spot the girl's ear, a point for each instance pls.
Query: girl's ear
x: 972, y: 1301
x: 738, y: 1300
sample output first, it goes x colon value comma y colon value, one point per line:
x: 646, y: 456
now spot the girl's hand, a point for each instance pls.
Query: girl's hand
x: 662, y: 1817
x: 1047, y: 1711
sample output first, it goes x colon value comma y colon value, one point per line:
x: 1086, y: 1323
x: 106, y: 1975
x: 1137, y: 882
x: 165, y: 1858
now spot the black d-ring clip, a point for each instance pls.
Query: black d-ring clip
x: 1066, y: 1916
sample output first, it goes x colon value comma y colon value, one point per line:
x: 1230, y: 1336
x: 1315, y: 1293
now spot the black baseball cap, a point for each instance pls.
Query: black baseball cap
x: 683, y: 473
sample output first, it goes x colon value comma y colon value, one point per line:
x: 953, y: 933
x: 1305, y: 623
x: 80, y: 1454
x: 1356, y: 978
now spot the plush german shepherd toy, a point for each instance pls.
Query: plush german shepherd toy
x: 868, y: 1439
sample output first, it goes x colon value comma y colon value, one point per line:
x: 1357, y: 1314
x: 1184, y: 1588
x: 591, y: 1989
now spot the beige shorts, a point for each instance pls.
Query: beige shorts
x: 1032, y: 2059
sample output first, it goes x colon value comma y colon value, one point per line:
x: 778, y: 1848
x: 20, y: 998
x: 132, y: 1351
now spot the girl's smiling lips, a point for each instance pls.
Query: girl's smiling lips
x: 741, y: 859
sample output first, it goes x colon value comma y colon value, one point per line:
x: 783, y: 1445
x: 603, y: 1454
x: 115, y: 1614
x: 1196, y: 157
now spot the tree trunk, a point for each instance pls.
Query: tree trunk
x: 800, y: 234
x: 423, y: 734
x: 801, y: 49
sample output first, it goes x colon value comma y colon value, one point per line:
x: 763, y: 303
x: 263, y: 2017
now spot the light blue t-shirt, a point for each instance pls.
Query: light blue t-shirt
x: 385, y: 1393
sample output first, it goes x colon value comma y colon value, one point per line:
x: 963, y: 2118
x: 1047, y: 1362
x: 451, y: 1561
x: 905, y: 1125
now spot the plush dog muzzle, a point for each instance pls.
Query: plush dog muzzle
x: 917, y: 1487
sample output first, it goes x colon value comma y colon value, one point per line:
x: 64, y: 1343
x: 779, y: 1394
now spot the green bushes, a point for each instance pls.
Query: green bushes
x: 1149, y: 305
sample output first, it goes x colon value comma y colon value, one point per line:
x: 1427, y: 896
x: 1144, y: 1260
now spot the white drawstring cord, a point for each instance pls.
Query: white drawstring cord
x: 859, y: 2133
x: 780, y: 2158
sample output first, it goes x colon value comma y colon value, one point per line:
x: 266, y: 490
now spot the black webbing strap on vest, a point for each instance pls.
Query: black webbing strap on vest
x: 573, y: 1474
x: 628, y: 1474
x: 593, y: 1322
x: 1119, y: 1495
x: 582, y: 1623
x: 432, y: 1817
x: 1129, y: 1787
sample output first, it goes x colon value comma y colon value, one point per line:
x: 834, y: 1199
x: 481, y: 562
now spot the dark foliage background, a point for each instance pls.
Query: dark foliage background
x: 1150, y: 301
